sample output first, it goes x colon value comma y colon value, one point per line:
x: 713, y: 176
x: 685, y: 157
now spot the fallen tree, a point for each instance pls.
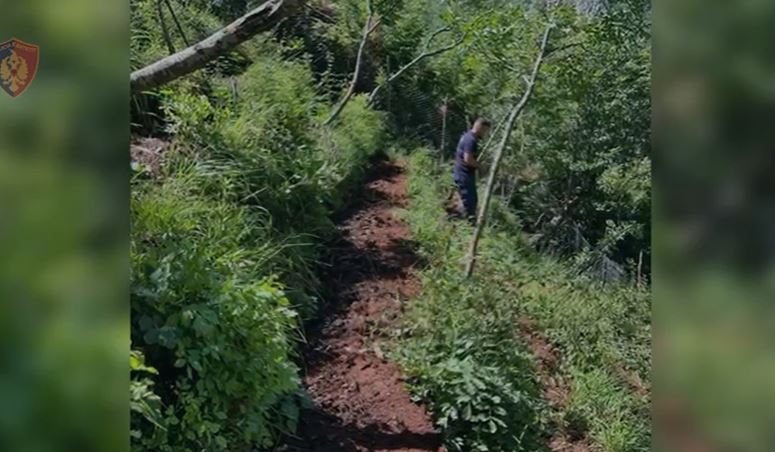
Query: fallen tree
x: 198, y: 55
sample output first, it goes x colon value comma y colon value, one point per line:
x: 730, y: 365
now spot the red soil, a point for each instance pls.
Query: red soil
x: 361, y: 403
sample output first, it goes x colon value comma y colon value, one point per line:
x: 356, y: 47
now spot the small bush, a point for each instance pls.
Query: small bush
x: 220, y: 336
x: 479, y: 408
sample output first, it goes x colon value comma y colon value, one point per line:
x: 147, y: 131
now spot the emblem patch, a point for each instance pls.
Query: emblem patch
x: 18, y: 66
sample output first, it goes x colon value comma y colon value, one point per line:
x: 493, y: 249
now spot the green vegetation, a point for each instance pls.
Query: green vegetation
x: 226, y: 234
x: 229, y: 221
x: 461, y: 336
x: 577, y: 169
x: 224, y: 246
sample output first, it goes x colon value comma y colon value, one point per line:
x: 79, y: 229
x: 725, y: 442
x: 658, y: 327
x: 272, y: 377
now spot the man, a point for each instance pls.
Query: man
x: 464, y: 173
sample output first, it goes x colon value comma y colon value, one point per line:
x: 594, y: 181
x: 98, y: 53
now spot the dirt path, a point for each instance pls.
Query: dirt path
x: 361, y: 403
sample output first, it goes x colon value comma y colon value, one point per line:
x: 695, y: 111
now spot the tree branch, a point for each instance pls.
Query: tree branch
x: 197, y: 56
x: 423, y: 55
x: 177, y: 23
x: 367, y: 29
x: 164, y: 30
x: 565, y: 47
x: 515, y: 113
x: 493, y: 134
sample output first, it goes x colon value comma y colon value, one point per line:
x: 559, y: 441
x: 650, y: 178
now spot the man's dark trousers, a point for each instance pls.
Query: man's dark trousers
x: 466, y: 187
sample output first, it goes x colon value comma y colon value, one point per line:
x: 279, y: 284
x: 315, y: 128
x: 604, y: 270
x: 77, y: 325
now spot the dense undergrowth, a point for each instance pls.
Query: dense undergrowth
x: 461, y: 345
x: 226, y: 236
x: 228, y: 225
x: 577, y: 167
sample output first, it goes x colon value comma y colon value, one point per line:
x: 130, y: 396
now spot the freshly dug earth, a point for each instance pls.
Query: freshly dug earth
x: 360, y: 400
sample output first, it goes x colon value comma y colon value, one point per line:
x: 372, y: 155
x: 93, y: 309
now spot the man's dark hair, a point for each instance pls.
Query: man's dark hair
x: 483, y: 121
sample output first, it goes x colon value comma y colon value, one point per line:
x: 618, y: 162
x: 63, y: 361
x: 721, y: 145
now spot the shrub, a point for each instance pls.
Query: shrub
x: 478, y: 407
x: 219, y: 334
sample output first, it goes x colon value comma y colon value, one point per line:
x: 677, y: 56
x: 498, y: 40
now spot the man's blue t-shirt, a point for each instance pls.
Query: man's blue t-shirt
x: 467, y: 143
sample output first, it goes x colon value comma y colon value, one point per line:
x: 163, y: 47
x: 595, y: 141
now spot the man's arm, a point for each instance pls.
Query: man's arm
x: 469, y: 154
x: 470, y: 160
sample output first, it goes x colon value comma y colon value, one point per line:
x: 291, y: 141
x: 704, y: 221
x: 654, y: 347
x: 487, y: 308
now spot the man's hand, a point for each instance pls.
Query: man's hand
x: 470, y: 160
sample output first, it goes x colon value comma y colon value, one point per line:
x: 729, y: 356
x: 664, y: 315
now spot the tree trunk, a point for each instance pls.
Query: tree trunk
x: 471, y: 260
x: 197, y: 56
x: 367, y: 29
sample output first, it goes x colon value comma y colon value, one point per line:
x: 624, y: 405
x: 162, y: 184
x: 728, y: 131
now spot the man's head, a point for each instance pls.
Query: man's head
x: 481, y: 128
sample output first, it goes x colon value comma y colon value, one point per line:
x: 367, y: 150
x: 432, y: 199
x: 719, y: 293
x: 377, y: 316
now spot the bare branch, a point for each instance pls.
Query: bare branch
x: 177, y: 23
x: 565, y: 47
x: 493, y: 134
x: 515, y: 113
x: 164, y: 30
x: 423, y: 55
x: 367, y: 29
x: 197, y: 56
x: 433, y: 35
